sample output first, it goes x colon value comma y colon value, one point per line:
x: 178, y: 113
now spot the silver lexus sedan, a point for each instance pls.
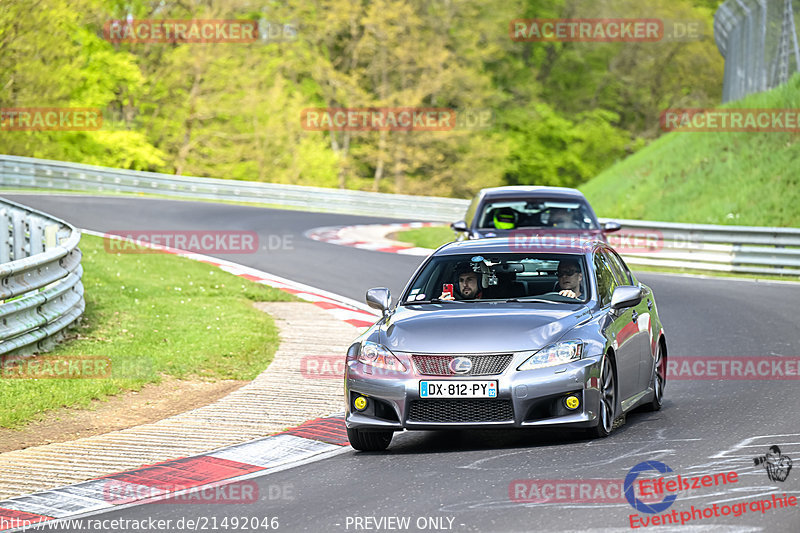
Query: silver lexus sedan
x: 499, y: 333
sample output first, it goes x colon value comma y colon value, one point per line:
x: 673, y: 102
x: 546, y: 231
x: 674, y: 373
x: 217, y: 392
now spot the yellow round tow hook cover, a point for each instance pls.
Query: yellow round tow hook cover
x: 572, y: 402
x: 360, y: 403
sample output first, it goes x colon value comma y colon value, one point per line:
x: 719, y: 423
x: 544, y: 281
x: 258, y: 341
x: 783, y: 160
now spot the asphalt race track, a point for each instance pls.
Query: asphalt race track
x: 461, y: 481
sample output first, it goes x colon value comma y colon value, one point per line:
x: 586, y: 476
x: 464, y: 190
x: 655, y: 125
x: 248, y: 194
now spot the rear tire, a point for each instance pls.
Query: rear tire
x: 659, y: 380
x: 608, y: 402
x: 369, y: 441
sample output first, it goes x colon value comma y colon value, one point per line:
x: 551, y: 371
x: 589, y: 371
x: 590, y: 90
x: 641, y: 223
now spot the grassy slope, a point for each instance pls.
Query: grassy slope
x: 717, y: 178
x: 429, y: 237
x: 153, y: 314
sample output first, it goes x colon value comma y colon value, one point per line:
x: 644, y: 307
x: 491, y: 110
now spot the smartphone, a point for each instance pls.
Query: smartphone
x: 448, y: 289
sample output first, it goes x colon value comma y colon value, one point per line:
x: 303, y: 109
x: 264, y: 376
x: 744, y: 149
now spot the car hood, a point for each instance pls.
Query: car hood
x: 467, y: 327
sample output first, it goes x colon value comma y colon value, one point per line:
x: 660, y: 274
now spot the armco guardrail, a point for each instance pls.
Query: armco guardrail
x: 742, y: 249
x: 40, y: 279
x: 26, y: 172
x: 758, y: 250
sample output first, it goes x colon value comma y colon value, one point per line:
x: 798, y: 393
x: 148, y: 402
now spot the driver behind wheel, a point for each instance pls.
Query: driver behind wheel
x: 569, y: 278
x: 505, y: 218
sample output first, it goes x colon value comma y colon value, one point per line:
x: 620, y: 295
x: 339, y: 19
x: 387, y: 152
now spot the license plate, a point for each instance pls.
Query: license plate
x: 458, y: 389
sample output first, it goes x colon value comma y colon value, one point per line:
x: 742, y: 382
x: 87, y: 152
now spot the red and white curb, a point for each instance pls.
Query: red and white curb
x: 190, y: 477
x: 314, y: 439
x: 371, y: 237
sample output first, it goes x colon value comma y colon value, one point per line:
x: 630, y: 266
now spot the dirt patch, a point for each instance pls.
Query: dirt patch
x: 152, y: 403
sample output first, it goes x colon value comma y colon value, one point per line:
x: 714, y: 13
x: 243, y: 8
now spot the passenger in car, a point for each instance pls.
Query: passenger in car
x: 563, y: 218
x: 468, y: 287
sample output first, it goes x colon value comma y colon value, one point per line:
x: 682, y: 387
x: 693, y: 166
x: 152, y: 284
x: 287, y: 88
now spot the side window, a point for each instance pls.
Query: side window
x: 621, y: 272
x: 471, y: 211
x: 605, y: 278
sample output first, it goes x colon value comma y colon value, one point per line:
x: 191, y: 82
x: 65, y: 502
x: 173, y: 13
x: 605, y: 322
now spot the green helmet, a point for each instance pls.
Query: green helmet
x: 505, y: 218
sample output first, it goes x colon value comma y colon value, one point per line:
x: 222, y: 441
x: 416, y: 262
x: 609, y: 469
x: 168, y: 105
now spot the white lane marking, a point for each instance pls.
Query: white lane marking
x: 775, y: 439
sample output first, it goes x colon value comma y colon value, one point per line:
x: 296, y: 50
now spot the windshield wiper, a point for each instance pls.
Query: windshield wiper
x: 431, y: 301
x: 538, y: 300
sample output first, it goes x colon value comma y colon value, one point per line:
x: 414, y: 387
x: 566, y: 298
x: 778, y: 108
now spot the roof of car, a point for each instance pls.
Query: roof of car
x: 518, y: 245
x: 516, y: 191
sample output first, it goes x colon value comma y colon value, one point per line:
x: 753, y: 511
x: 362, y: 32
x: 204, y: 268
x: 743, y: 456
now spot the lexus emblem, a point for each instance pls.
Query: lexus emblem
x: 460, y: 365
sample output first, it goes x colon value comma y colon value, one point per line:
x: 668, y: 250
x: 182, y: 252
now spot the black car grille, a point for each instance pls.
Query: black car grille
x: 482, y: 365
x: 460, y: 410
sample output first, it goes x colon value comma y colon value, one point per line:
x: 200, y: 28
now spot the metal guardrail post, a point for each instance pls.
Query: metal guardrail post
x: 758, y: 39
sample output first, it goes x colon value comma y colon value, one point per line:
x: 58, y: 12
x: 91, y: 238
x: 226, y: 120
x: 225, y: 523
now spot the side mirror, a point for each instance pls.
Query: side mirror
x: 380, y: 299
x: 611, y: 227
x: 626, y: 296
x: 459, y: 226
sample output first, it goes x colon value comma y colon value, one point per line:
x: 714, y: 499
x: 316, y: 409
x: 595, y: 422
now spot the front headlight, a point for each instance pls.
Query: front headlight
x: 555, y: 354
x: 374, y: 354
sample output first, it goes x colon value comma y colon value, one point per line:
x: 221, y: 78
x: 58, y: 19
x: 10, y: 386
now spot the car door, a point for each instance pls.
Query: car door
x: 619, y: 328
x: 641, y: 315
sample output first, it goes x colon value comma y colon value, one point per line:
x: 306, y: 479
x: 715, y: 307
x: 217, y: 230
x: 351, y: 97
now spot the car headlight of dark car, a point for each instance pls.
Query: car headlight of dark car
x: 554, y: 354
x: 379, y: 356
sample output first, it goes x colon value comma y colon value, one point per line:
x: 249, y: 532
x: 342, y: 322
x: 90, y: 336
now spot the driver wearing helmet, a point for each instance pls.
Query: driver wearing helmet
x: 505, y: 218
x: 468, y: 286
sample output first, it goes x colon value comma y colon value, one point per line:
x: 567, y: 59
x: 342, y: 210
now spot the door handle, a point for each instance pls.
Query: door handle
x: 635, y: 315
x: 650, y: 304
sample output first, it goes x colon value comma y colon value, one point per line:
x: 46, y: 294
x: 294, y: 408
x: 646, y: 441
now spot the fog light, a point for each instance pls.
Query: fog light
x: 360, y: 403
x: 572, y: 402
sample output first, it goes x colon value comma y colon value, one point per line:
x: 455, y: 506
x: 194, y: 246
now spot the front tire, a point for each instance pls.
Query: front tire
x: 369, y: 441
x: 659, y: 380
x: 608, y: 401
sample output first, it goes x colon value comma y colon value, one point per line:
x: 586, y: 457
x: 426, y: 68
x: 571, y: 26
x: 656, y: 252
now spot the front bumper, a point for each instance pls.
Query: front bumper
x: 531, y: 398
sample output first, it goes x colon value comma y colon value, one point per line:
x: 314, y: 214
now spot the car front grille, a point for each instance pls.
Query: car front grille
x: 460, y: 410
x: 482, y: 365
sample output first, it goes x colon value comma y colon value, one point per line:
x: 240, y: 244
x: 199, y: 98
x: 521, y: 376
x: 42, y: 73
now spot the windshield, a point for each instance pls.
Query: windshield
x: 532, y: 213
x: 554, y: 278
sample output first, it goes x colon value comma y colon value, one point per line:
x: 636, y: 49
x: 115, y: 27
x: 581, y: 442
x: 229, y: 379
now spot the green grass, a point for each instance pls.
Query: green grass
x: 152, y: 315
x: 716, y: 178
x: 428, y: 237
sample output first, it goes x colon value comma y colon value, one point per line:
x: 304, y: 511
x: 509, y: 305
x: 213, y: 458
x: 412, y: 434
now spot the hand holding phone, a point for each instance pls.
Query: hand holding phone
x: 447, y: 291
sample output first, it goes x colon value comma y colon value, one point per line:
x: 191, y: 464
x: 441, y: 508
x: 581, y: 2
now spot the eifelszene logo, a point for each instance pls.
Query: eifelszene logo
x: 777, y: 466
x: 630, y: 495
